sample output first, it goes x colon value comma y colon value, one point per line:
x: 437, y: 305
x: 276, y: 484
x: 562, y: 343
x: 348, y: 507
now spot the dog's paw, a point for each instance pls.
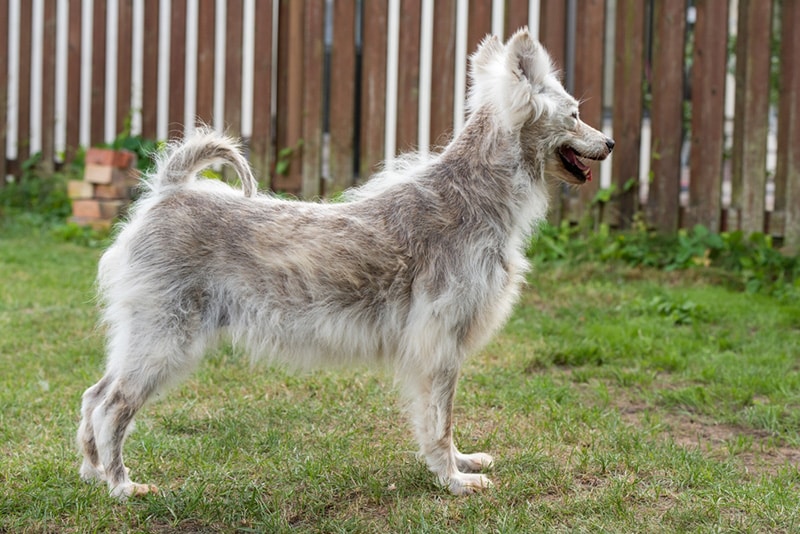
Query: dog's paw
x: 132, y: 489
x: 467, y: 483
x: 92, y: 473
x: 475, y: 462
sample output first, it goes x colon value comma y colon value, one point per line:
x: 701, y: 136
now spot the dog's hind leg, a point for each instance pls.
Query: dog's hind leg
x: 143, y: 360
x: 111, y: 421
x: 91, y: 469
x: 431, y: 403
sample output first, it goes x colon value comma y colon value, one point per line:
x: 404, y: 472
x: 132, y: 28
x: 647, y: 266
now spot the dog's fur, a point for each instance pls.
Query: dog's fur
x: 416, y: 269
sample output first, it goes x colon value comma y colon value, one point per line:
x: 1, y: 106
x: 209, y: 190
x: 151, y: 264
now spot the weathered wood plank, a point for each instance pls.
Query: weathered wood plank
x: 177, y: 68
x: 206, y: 33
x: 373, y: 88
x: 48, y: 87
x: 443, y: 78
x: 233, y: 67
x: 708, y: 114
x: 313, y: 72
x: 663, y: 202
x: 408, y: 76
x: 124, y: 63
x: 97, y: 110
x: 150, y: 70
x: 24, y: 109
x: 342, y: 97
x: 73, y: 80
x: 752, y: 105
x: 627, y: 112
x: 260, y: 144
x: 589, y: 43
x: 287, y: 175
x: 4, y: 28
x: 787, y: 173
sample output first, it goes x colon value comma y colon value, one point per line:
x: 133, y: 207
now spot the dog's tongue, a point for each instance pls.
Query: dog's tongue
x: 573, y: 158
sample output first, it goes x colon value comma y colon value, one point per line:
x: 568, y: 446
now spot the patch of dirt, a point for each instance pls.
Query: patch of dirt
x: 757, y: 451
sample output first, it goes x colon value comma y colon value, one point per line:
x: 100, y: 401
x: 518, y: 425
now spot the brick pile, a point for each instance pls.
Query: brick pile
x: 105, y: 191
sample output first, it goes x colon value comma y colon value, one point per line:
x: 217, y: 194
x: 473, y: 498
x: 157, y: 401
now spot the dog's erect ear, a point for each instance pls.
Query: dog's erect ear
x: 488, y: 51
x: 528, y: 58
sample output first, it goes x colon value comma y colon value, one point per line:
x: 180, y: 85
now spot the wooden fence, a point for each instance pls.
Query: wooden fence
x: 324, y: 90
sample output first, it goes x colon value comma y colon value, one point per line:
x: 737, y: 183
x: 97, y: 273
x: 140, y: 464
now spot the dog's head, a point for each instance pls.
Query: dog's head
x: 518, y: 81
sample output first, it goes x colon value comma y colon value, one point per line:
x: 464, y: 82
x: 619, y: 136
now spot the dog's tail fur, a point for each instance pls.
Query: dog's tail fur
x: 202, y: 149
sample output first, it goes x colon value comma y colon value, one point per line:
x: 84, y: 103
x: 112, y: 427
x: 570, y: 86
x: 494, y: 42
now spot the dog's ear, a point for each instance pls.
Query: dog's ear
x: 488, y: 51
x: 527, y: 58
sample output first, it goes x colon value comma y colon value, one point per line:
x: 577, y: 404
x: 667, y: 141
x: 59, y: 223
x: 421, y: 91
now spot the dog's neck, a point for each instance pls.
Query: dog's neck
x: 485, y: 162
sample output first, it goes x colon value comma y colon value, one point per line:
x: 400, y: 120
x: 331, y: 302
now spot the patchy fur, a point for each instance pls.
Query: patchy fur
x: 415, y: 270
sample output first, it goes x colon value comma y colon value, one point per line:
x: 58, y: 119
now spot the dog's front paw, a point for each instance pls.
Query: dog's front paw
x: 467, y: 483
x: 475, y: 462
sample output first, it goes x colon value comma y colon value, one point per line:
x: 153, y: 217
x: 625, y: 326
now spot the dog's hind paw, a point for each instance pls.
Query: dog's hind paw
x: 472, y: 463
x: 132, y: 489
x: 467, y: 484
x: 92, y: 473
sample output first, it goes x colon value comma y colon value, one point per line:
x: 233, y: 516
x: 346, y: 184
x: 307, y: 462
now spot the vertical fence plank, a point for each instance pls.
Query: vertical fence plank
x: 589, y: 43
x: 669, y: 24
x: 288, y: 174
x: 124, y: 62
x: 342, y: 101
x: 443, y: 80
x: 479, y: 23
x: 73, y: 80
x: 408, y: 75
x: 787, y: 173
x: 24, y: 107
x: 313, y: 71
x: 97, y: 124
x: 373, y: 87
x: 206, y: 36
x: 516, y: 15
x: 553, y: 35
x: 708, y: 114
x: 553, y: 29
x: 4, y: 28
x: 48, y: 86
x: 233, y: 67
x: 150, y: 70
x: 177, y: 68
x: 752, y: 105
x: 627, y: 114
x: 261, y: 141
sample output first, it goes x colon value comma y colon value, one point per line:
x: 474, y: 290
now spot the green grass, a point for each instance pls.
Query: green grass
x: 617, y: 399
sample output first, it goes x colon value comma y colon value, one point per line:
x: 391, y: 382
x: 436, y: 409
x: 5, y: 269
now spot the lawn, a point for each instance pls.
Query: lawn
x: 617, y: 399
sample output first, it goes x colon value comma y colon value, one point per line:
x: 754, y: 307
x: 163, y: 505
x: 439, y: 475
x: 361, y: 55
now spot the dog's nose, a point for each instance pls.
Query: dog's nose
x: 609, y: 143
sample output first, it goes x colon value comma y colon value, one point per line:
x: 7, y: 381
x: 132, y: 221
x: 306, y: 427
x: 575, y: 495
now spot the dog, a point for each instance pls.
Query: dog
x: 415, y: 270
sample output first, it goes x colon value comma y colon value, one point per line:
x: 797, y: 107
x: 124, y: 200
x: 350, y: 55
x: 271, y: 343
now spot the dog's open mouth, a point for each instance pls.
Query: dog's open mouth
x: 574, y: 164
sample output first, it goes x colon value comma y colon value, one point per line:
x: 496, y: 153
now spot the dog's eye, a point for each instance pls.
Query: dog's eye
x: 574, y: 115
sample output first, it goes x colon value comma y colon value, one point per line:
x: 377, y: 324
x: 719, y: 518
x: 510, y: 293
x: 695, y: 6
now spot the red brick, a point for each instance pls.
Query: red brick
x: 121, y: 159
x: 97, y: 209
x: 102, y: 174
x: 98, y: 174
x: 100, y: 156
x: 79, y: 189
x: 111, y: 191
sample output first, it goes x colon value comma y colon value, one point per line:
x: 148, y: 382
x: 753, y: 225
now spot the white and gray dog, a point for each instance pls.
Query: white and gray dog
x: 416, y: 269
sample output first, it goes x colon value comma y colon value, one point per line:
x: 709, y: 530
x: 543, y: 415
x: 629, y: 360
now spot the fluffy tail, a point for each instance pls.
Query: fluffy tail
x: 202, y: 149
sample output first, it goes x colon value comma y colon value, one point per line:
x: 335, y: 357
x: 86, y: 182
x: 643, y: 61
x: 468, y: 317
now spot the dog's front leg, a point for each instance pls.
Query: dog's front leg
x: 432, y: 415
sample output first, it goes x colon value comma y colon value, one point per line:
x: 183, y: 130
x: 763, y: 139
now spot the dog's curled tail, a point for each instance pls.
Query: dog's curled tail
x: 204, y: 148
